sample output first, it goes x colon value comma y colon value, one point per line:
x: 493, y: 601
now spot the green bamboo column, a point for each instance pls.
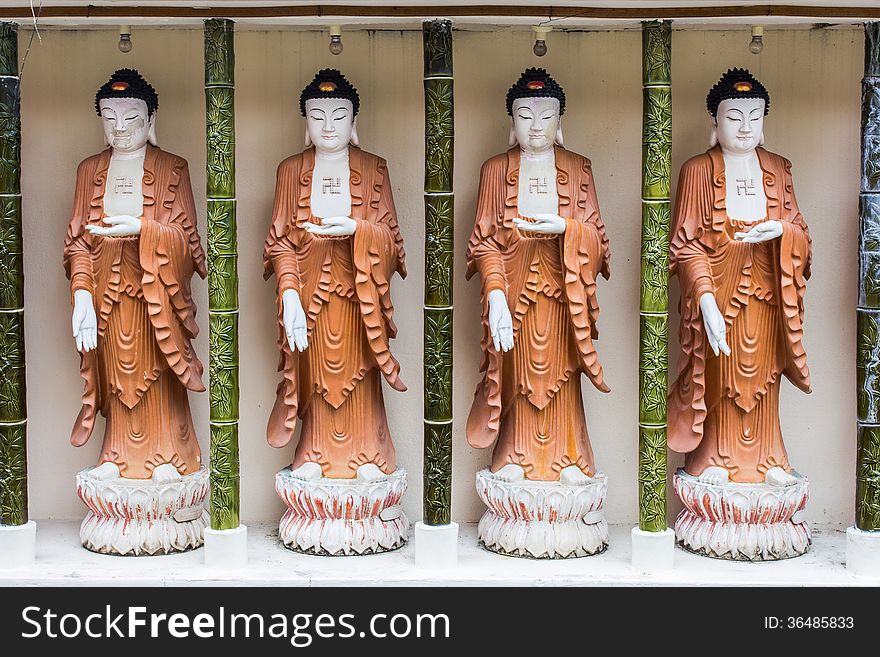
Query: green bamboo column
x: 868, y: 350
x: 222, y: 271
x: 653, y: 297
x: 437, y: 44
x: 13, y: 399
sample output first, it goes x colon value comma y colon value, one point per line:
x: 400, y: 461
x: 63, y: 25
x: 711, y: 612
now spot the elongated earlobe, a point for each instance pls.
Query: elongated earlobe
x: 713, y: 133
x: 307, y: 139
x: 151, y: 137
x: 559, y: 135
x: 354, y: 133
x: 511, y: 138
x: 761, y: 140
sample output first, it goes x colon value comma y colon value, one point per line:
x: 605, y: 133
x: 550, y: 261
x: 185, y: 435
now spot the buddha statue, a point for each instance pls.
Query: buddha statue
x: 741, y: 251
x: 130, y: 252
x: 334, y: 246
x: 538, y: 246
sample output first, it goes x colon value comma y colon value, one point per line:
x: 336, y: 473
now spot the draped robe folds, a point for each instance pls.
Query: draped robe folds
x: 529, y: 399
x: 723, y: 410
x: 139, y: 374
x: 334, y: 386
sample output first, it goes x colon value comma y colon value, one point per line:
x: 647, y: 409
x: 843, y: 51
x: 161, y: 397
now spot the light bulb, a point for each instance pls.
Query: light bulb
x: 757, y: 43
x: 125, y: 44
x: 335, y: 40
x: 540, y: 47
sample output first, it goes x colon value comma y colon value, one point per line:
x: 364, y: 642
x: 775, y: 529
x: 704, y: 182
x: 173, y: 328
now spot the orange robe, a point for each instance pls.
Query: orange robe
x: 724, y: 410
x: 144, y: 363
x: 334, y: 386
x: 529, y: 399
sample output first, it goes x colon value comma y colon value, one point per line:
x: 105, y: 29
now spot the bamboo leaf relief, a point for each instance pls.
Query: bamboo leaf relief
x: 13, y: 475
x: 438, y: 474
x: 438, y: 365
x: 438, y: 249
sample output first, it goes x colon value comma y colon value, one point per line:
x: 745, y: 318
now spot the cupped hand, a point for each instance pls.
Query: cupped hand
x: 332, y: 227
x: 762, y: 232
x: 122, y: 225
x: 542, y: 223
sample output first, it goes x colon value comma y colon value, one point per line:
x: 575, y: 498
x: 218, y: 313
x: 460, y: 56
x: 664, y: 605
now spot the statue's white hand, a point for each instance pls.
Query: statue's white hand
x: 85, y: 321
x: 500, y: 321
x: 294, y: 321
x: 332, y: 226
x: 123, y: 225
x: 543, y: 223
x: 762, y: 232
x: 713, y: 321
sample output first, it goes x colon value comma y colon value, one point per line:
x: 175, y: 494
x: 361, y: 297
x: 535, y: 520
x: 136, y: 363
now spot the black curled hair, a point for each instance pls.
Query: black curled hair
x: 329, y: 83
x: 535, y: 83
x: 736, y: 83
x: 128, y: 83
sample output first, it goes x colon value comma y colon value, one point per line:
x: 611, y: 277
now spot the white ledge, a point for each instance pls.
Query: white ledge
x: 61, y: 561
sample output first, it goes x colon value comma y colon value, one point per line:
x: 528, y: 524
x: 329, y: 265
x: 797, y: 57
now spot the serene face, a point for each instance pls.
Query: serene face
x: 126, y: 123
x: 329, y: 122
x: 739, y: 124
x: 535, y: 123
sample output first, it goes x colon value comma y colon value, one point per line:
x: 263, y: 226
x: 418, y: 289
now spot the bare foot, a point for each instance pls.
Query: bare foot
x: 106, y: 471
x: 165, y: 474
x: 779, y: 477
x: 714, y: 475
x: 573, y: 476
x: 370, y: 472
x: 510, y: 473
x: 308, y: 471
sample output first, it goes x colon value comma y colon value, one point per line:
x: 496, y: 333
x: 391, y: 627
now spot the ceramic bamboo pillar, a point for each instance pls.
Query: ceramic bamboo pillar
x: 13, y: 406
x: 863, y: 540
x: 868, y: 354
x: 437, y: 41
x: 653, y: 297
x: 222, y: 272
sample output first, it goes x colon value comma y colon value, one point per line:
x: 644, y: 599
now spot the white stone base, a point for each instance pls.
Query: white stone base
x: 137, y: 517
x: 226, y: 549
x: 742, y: 522
x: 863, y: 552
x: 342, y: 517
x: 436, y: 545
x: 18, y: 545
x: 653, y: 552
x: 542, y: 519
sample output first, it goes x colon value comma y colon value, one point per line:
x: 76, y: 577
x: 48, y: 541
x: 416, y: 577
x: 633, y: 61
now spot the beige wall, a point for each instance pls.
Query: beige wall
x: 813, y: 77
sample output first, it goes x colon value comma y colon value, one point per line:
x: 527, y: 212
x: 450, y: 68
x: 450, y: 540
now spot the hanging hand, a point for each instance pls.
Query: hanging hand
x: 122, y: 225
x: 762, y: 232
x: 500, y: 321
x: 543, y: 223
x: 85, y: 321
x: 332, y: 227
x: 294, y: 318
x: 713, y: 321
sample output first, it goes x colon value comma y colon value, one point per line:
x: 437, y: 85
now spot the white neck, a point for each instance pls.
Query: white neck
x: 141, y: 152
x: 539, y: 155
x: 332, y: 156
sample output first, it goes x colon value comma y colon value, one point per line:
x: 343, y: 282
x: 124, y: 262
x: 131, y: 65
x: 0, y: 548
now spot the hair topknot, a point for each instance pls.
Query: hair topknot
x: 329, y: 83
x: 736, y: 83
x: 128, y: 83
x: 535, y: 83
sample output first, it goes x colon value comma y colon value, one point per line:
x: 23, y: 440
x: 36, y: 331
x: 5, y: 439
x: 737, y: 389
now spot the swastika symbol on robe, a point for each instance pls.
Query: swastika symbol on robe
x: 331, y: 186
x: 537, y: 185
x: 124, y: 185
x: 745, y: 186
